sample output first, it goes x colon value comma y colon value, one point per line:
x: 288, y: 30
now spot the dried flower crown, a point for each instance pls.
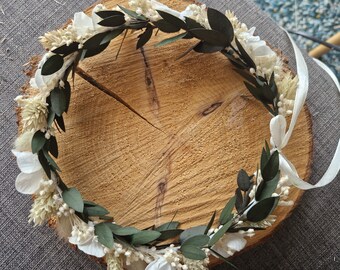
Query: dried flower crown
x: 87, y: 224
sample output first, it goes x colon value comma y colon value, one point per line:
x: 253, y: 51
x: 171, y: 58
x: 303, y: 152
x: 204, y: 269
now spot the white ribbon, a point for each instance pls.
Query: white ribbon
x: 280, y: 138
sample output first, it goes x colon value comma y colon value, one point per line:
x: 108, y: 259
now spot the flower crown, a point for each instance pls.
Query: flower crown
x: 87, y: 224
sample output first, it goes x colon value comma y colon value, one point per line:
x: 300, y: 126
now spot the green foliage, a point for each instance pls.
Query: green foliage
x: 262, y: 209
x: 52, y: 65
x: 104, y: 234
x: 226, y: 212
x: 38, y: 141
x: 73, y: 199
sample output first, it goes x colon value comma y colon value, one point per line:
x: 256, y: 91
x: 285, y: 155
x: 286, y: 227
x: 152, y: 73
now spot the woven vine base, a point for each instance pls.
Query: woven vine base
x: 175, y: 147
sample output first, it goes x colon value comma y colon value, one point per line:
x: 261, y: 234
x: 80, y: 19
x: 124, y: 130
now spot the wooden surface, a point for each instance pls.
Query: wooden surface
x: 200, y: 127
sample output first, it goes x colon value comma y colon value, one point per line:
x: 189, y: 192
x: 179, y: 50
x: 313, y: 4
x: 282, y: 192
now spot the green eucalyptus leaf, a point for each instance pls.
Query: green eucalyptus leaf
x: 104, y: 234
x: 193, y: 252
x: 52, y: 65
x: 211, y: 222
x: 267, y: 188
x: 109, y: 13
x: 170, y: 40
x: 246, y: 75
x: 145, y: 37
x: 50, y: 118
x: 113, y: 227
x: 111, y: 35
x: 38, y: 141
x: 197, y: 230
x: 58, y: 101
x: 113, y: 21
x: 89, y: 203
x: 126, y: 231
x: 132, y: 13
x: 226, y: 212
x: 166, y: 27
x: 44, y: 163
x: 168, y: 234
x: 60, y: 121
x: 192, y: 24
x: 197, y: 240
x: 67, y: 91
x: 98, y: 50
x: 94, y: 42
x: 239, y: 200
x: 73, y: 199
x: 262, y: 209
x: 172, y: 19
x: 245, y: 56
x: 217, y: 236
x: 272, y: 85
x: 53, y: 146
x: 255, y: 91
x: 213, y: 37
x: 50, y: 160
x: 136, y: 25
x: 168, y: 226
x: 67, y: 49
x: 219, y: 22
x: 96, y: 210
x: 271, y: 168
x: 205, y: 47
x: 144, y: 237
x: 235, y: 61
x: 243, y: 180
x: 264, y: 158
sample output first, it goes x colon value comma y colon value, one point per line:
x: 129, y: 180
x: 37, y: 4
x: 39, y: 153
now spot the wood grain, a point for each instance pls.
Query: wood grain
x: 191, y: 126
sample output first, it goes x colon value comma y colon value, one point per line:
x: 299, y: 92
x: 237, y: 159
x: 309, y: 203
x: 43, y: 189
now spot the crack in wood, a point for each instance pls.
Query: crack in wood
x: 150, y: 83
x: 212, y: 108
x: 83, y: 74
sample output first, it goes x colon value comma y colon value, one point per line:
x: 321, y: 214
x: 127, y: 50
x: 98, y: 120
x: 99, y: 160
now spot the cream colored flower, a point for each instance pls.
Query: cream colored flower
x: 160, y: 264
x: 34, y: 112
x: 44, y: 206
x: 229, y: 244
x: 83, y: 236
x: 149, y: 9
x: 32, y: 174
x: 57, y: 38
x: 197, y: 13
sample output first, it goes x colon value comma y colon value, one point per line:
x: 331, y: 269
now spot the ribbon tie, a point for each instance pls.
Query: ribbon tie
x: 280, y: 136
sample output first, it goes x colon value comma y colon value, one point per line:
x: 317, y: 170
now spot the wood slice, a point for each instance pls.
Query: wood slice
x: 176, y: 146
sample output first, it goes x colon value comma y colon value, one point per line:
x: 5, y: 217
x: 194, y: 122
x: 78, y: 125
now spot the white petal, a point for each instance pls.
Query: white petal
x: 263, y: 51
x: 38, y: 79
x: 82, y: 23
x: 235, y: 241
x: 27, y: 162
x: 93, y: 248
x: 187, y: 12
x: 28, y: 183
x: 159, y: 264
x: 229, y: 244
x: 277, y: 129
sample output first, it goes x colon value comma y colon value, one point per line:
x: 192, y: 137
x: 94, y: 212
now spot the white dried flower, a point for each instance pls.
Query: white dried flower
x: 229, y: 244
x: 113, y: 262
x: 23, y: 142
x: 83, y: 236
x: 43, y: 207
x: 197, y: 13
x: 34, y: 112
x: 57, y: 38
